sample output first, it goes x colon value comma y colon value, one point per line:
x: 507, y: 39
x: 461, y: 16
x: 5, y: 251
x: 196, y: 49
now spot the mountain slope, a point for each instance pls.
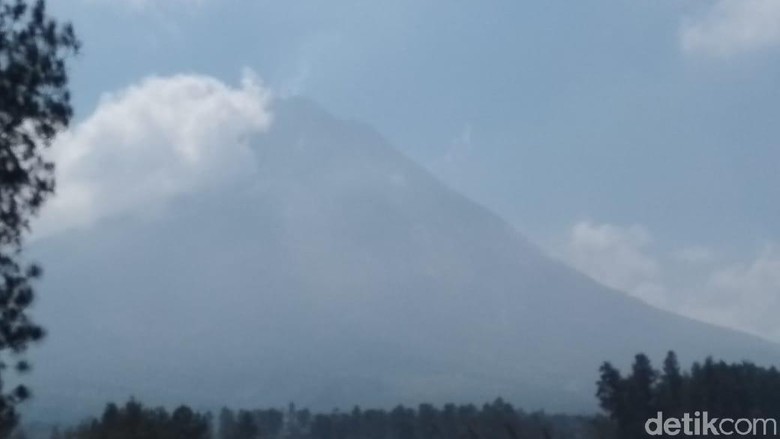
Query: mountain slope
x: 344, y: 274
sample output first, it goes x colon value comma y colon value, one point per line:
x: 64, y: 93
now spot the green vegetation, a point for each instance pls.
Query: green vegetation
x: 722, y: 389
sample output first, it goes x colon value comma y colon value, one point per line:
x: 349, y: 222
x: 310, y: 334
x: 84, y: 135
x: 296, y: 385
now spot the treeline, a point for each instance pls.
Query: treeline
x: 497, y: 420
x: 134, y: 421
x: 723, y: 390
x: 494, y: 420
x: 730, y: 390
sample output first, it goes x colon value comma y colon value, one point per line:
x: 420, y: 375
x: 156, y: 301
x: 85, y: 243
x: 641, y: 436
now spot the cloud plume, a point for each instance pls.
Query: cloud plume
x: 693, y: 281
x: 154, y: 140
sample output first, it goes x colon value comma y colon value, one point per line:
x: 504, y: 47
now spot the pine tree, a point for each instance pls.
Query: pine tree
x: 34, y: 106
x: 670, y: 393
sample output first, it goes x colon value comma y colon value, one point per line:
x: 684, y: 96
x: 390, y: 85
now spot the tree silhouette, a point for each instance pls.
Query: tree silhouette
x: 134, y: 421
x: 34, y: 106
x: 495, y: 420
x: 670, y: 393
x: 736, y: 390
x: 641, y: 393
x: 611, y: 394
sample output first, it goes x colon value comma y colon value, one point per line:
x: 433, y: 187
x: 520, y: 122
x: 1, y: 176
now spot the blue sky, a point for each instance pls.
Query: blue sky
x: 635, y: 139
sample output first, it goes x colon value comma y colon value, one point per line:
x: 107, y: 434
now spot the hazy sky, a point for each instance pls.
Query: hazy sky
x: 636, y: 139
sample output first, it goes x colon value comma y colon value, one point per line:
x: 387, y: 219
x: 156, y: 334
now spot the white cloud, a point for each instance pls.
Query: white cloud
x: 745, y: 295
x: 733, y: 26
x: 691, y: 281
x: 617, y: 257
x: 160, y: 138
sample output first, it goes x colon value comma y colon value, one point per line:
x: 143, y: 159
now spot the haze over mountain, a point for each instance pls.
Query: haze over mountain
x: 610, y: 129
x: 342, y: 274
